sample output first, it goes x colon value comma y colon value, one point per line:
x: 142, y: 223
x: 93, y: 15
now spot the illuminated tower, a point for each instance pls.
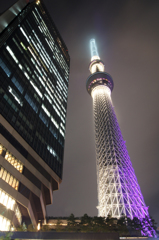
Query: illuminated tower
x: 118, y: 190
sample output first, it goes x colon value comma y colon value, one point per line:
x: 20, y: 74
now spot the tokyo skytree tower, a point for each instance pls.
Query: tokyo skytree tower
x: 119, y: 193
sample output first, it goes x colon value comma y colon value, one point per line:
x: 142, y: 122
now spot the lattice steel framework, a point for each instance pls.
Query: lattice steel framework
x: 118, y: 190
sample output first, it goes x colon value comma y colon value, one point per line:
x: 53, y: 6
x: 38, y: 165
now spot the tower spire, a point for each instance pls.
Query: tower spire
x: 96, y: 65
x: 93, y: 47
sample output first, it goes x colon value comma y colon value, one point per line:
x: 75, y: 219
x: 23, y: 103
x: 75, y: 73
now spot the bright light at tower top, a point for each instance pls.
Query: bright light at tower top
x: 94, y: 51
x: 96, y: 64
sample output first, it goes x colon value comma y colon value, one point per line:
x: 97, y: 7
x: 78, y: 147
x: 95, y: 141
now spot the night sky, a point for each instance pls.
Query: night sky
x: 127, y: 36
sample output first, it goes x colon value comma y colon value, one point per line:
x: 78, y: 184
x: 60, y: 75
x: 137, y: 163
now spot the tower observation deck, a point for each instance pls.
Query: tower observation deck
x: 119, y: 193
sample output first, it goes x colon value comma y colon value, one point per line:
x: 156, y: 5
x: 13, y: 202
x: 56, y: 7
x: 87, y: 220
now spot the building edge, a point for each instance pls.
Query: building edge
x: 37, y: 180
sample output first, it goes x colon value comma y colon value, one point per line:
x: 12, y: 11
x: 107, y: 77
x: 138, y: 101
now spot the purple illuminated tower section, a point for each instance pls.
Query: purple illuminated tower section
x: 119, y: 193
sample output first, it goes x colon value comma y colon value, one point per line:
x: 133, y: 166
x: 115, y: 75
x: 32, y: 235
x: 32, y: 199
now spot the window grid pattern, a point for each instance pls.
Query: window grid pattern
x: 8, y: 178
x: 34, y: 84
x: 14, y: 162
x: 10, y: 203
x: 11, y: 159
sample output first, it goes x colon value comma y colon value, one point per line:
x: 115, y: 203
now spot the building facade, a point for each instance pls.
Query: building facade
x: 34, y: 74
x: 118, y: 190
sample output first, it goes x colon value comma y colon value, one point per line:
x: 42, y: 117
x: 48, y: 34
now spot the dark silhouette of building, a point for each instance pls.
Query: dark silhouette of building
x: 34, y: 73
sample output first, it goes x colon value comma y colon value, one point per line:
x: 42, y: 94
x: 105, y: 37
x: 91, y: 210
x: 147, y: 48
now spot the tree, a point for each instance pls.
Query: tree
x: 136, y: 224
x: 99, y: 224
x: 122, y: 226
x: 153, y: 223
x: 71, y: 224
x: 86, y: 223
x: 45, y: 228
x: 71, y: 220
x: 22, y: 228
x: 58, y: 225
x: 112, y: 223
x: 86, y: 220
x: 31, y: 228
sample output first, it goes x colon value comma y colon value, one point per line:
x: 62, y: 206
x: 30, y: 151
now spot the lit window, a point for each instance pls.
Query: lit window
x: 35, y: 16
x: 51, y: 87
x: 7, y: 177
x: 14, y: 183
x: 48, y: 98
x: 56, y: 110
x: 63, y: 108
x: 23, y: 46
x: 42, y: 81
x: 4, y: 224
x: 36, y: 89
x: 62, y: 126
x: 62, y: 133
x: 2, y: 197
x: 51, y: 150
x: 10, y: 180
x: 17, y: 185
x: 14, y: 162
x: 6, y: 199
x: 15, y: 95
x: 10, y: 203
x: 38, y: 12
x: 20, y: 66
x: 26, y: 75
x: 45, y: 110
x: 1, y: 149
x: 54, y: 122
x: 12, y: 54
x: 4, y: 174
x: 22, y: 30
x: 62, y: 119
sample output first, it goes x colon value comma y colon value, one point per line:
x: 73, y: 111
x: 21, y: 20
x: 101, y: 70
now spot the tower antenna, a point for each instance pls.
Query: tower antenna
x: 93, y: 47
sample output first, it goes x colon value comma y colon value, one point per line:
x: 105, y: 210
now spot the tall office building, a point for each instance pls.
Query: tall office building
x: 34, y: 74
x: 118, y: 190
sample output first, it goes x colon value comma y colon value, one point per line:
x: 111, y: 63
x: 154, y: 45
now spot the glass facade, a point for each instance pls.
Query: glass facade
x: 34, y: 72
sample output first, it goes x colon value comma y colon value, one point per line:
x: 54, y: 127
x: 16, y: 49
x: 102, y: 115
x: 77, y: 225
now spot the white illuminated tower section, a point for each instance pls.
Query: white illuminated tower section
x: 118, y: 190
